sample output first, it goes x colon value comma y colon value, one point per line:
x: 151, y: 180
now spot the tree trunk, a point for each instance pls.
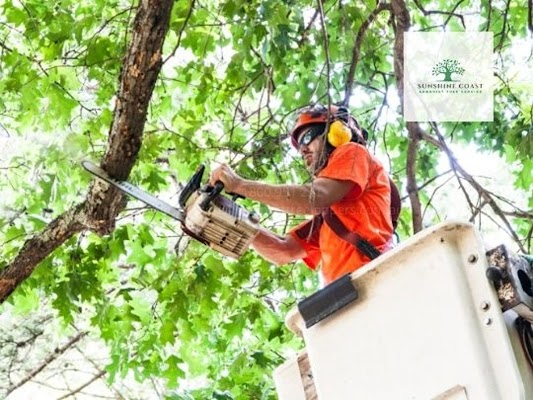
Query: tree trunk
x: 402, y: 24
x: 141, y: 67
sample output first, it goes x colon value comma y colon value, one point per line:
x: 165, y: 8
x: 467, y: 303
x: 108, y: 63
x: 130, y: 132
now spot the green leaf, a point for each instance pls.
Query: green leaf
x: 168, y: 331
x: 141, y: 308
x: 167, y: 307
x: 173, y: 372
x: 26, y: 301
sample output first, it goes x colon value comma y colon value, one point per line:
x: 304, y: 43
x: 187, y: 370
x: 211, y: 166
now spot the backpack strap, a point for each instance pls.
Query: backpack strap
x: 310, y: 231
x: 336, y: 225
x: 395, y: 204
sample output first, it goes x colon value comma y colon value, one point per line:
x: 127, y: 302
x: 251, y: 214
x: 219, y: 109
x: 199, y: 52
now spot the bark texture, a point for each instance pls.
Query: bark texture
x: 141, y: 67
x: 401, y: 25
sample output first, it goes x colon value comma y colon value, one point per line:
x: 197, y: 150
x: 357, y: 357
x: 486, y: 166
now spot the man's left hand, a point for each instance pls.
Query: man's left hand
x: 228, y: 177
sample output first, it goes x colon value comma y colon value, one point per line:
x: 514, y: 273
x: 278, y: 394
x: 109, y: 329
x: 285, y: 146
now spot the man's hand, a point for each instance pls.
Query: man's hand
x: 228, y: 177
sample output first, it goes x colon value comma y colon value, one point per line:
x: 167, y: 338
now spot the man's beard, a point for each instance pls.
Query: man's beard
x: 319, y: 161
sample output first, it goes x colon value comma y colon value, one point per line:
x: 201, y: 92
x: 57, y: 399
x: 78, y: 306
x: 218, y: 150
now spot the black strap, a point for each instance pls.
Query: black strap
x: 328, y: 300
x: 364, y: 246
x: 395, y: 203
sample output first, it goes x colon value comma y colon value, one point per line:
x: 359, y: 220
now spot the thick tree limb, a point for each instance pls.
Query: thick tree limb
x: 141, y: 67
x: 413, y: 128
x: 37, y: 249
x: 357, y: 49
x: 402, y: 24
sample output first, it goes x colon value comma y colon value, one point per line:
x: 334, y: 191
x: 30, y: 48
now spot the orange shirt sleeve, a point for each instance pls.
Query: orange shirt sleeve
x: 349, y: 162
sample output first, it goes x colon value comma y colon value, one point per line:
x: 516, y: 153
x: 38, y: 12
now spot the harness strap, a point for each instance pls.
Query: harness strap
x: 363, y: 245
x: 395, y: 203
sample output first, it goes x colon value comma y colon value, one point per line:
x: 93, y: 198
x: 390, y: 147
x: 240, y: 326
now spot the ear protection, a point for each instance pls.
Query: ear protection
x: 339, y: 132
x: 342, y: 127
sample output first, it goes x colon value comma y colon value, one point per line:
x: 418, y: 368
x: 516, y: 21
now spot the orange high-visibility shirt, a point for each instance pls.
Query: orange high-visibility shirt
x: 365, y: 210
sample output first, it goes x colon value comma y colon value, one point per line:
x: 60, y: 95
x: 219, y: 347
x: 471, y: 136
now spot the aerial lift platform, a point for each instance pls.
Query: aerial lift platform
x: 437, y: 318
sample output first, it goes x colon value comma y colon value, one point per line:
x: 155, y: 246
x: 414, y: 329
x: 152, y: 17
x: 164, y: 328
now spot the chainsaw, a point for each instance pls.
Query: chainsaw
x: 204, y: 213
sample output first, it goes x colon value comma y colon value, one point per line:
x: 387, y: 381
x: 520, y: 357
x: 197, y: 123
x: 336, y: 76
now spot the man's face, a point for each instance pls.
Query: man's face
x: 310, y: 146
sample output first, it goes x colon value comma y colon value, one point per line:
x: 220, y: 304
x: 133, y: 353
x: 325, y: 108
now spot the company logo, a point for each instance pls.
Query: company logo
x: 448, y: 69
x: 448, y: 76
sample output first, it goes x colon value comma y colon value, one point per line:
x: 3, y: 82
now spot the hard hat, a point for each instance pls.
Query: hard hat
x: 319, y: 114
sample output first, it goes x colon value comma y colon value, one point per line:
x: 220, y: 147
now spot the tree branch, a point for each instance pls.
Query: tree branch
x: 499, y: 46
x: 182, y: 29
x: 308, y: 28
x: 81, y: 387
x: 357, y: 49
x: 402, y: 24
x: 56, y: 353
x: 326, y: 49
x: 519, y: 214
x: 142, y: 64
x: 429, y: 181
x: 37, y: 249
x: 530, y: 15
x: 448, y: 13
x: 484, y: 194
x: 414, y: 130
x: 489, y: 14
x: 433, y: 194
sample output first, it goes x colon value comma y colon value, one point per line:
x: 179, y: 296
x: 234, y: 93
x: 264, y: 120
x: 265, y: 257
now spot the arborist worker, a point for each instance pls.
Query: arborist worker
x: 349, y: 197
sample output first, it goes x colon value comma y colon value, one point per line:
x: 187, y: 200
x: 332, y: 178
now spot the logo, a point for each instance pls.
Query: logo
x: 448, y: 67
x: 448, y: 76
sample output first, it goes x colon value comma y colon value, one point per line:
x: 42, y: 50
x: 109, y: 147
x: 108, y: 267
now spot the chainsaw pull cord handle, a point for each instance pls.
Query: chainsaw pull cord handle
x: 215, y: 191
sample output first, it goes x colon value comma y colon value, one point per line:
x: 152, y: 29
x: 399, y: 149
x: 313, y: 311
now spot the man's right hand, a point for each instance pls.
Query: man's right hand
x: 228, y: 177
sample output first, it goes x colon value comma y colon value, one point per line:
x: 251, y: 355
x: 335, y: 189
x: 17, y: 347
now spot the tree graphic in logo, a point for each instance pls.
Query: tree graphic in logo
x: 448, y: 67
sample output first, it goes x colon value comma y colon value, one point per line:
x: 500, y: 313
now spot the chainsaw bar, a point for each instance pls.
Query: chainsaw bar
x: 135, y: 192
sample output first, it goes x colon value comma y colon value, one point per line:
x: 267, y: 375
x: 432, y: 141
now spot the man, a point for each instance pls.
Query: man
x: 348, y: 184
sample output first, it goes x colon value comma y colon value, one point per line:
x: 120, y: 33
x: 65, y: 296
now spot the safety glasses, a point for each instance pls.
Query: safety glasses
x: 310, y: 134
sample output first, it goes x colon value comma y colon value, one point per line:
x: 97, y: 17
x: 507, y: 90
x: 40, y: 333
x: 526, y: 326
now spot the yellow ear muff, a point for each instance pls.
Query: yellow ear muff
x: 339, y: 133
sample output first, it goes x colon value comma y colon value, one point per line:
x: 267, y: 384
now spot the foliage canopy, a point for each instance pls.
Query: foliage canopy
x: 233, y: 72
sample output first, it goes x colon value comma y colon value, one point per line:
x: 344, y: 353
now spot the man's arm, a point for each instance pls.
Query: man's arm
x: 310, y: 198
x: 277, y: 249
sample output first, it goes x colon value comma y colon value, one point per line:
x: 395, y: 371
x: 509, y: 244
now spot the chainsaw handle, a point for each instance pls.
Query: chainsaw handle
x: 235, y: 196
x: 217, y: 189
